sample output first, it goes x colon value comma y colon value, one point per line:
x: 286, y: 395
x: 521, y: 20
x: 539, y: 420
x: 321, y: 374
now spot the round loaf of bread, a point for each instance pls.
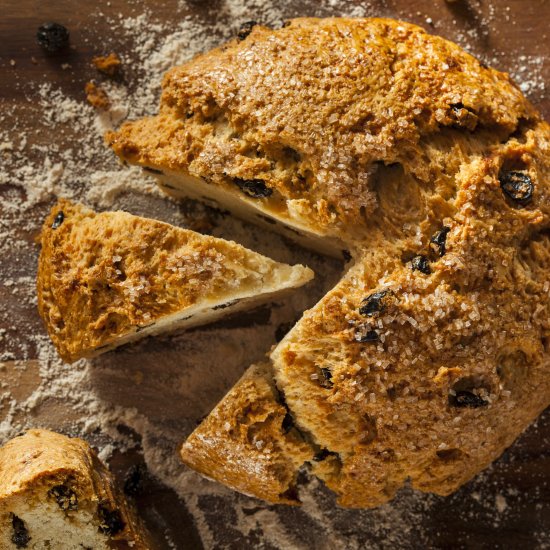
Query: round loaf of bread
x: 433, y: 353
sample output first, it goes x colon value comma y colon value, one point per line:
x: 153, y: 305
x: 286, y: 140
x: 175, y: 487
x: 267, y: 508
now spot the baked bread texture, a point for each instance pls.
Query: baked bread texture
x: 56, y: 493
x: 433, y: 352
x: 258, y: 431
x: 108, y: 278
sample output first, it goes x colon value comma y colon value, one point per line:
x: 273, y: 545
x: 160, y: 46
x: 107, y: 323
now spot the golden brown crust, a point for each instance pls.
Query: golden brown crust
x: 104, y: 276
x: 309, y: 109
x: 40, y: 461
x: 248, y: 441
x: 37, y: 454
x: 435, y: 171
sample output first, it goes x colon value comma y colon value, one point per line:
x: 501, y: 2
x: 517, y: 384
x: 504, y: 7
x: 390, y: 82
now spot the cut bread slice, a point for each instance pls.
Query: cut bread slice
x: 56, y: 493
x: 108, y: 278
x: 249, y: 441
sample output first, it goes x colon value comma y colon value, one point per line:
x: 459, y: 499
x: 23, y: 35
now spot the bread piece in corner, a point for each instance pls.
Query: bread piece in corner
x: 108, y: 278
x: 249, y: 441
x: 56, y: 493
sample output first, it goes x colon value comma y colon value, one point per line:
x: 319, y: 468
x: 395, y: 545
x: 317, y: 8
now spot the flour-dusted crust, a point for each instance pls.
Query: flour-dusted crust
x: 108, y: 278
x: 56, y: 493
x: 433, y: 353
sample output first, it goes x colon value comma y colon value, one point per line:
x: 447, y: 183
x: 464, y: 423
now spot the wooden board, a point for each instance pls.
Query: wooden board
x: 508, y: 506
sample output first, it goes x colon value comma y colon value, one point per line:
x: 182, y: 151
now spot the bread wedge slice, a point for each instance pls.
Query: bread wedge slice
x: 105, y: 279
x: 56, y: 493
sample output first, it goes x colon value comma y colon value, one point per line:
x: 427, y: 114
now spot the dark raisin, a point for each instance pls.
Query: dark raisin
x: 246, y: 29
x: 326, y: 381
x: 322, y: 454
x: 327, y: 374
x: 52, y: 36
x: 58, y: 220
x: 288, y: 423
x: 517, y: 186
x: 66, y: 498
x: 464, y: 398
x: 373, y: 304
x: 110, y: 521
x: 20, y: 536
x: 133, y: 482
x: 421, y: 263
x: 439, y: 241
x: 254, y: 188
x: 369, y: 336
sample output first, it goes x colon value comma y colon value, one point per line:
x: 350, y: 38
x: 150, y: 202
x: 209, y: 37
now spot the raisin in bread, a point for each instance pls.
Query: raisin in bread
x: 433, y: 353
x: 108, y: 278
x: 56, y: 493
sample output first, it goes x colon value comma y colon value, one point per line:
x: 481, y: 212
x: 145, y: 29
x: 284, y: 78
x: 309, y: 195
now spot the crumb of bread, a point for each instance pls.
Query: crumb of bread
x: 107, y: 64
x: 96, y: 96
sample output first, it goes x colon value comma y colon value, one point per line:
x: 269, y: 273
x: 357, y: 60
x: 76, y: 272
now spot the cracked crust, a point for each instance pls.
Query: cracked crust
x: 59, y: 491
x: 106, y: 279
x: 434, y: 171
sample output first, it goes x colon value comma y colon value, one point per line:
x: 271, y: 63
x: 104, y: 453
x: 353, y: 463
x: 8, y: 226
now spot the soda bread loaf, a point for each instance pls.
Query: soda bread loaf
x: 433, y: 353
x: 109, y: 278
x: 55, y: 493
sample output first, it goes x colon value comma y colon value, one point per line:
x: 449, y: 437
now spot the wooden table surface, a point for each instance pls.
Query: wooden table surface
x: 508, y: 506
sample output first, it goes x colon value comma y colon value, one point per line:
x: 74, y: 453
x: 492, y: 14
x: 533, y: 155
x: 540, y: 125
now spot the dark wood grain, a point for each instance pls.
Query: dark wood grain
x: 499, y: 32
